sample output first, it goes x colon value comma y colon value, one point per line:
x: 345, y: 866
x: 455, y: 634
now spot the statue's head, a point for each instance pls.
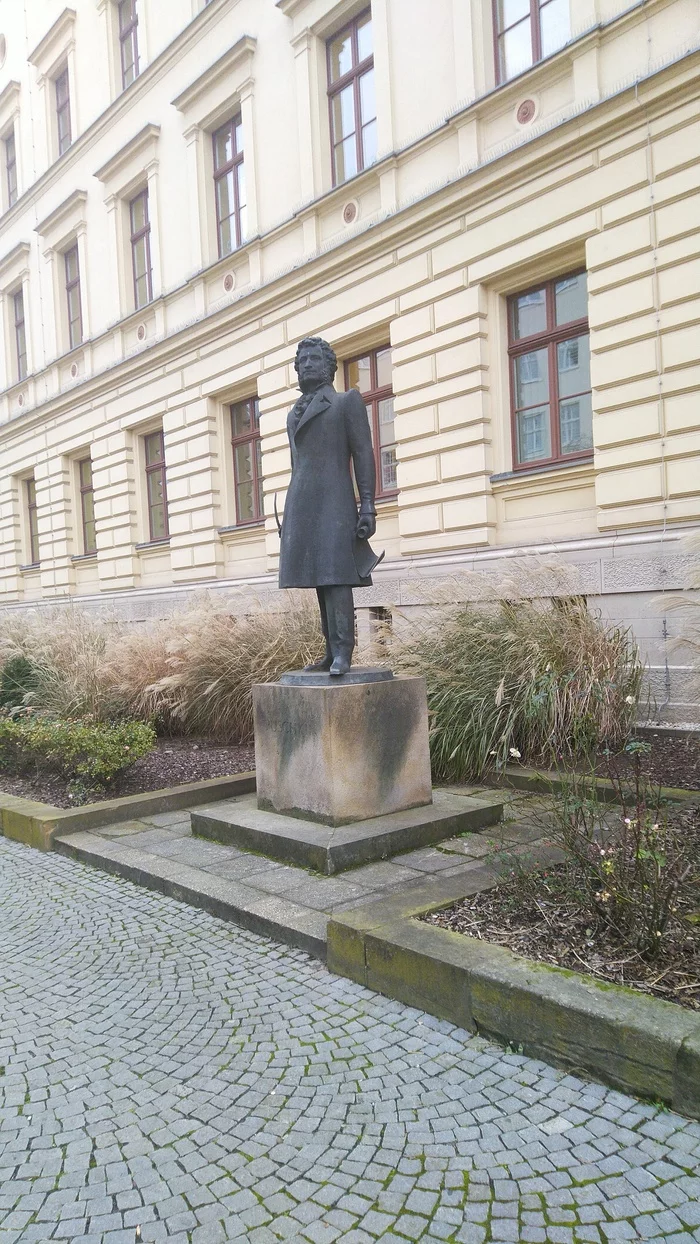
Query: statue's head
x: 315, y: 363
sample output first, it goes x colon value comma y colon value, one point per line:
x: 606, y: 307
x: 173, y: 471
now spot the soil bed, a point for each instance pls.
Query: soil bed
x: 538, y: 916
x: 173, y: 762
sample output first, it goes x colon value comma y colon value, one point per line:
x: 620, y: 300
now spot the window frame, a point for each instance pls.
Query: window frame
x: 84, y: 491
x: 32, y: 520
x: 353, y: 76
x: 371, y: 399
x: 150, y: 468
x: 536, y: 7
x: 21, y: 358
x: 238, y: 159
x: 136, y: 236
x: 63, y: 109
x: 255, y: 440
x: 71, y: 285
x: 128, y: 32
x: 11, y: 182
x: 549, y: 338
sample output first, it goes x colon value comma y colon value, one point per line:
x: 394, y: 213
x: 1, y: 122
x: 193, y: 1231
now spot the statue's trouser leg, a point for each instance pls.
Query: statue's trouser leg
x: 340, y: 612
x: 325, y: 663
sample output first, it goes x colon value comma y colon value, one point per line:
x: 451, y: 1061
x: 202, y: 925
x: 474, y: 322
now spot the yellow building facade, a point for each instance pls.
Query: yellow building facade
x: 489, y: 208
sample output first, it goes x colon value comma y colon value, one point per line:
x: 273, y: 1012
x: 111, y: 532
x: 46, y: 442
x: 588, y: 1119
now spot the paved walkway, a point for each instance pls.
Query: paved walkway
x: 166, y: 1076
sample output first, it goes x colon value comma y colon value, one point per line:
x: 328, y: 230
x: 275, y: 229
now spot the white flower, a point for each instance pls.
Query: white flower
x: 515, y: 753
x: 629, y: 699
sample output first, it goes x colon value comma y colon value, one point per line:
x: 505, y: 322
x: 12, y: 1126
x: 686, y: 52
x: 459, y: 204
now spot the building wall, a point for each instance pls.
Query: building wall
x: 464, y: 206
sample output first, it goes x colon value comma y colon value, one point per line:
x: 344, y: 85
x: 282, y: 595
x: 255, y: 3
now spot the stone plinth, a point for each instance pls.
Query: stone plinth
x: 342, y: 752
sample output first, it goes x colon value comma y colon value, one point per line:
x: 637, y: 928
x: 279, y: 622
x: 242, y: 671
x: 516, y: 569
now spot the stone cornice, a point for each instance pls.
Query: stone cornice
x: 14, y: 264
x: 142, y: 144
x: 9, y: 102
x: 68, y: 213
x: 53, y: 44
x: 239, y: 55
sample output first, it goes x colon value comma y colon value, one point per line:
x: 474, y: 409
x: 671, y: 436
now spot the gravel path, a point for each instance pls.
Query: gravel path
x: 166, y: 1076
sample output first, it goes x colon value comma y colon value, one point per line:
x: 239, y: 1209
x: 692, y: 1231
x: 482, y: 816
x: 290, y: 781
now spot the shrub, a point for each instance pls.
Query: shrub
x: 17, y: 681
x: 521, y: 680
x: 88, y: 755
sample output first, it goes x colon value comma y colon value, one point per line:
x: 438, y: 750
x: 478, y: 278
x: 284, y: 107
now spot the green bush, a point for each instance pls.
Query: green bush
x: 527, y: 680
x: 88, y: 755
x: 17, y: 680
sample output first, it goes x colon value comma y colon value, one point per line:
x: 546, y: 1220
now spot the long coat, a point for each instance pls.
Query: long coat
x: 319, y: 545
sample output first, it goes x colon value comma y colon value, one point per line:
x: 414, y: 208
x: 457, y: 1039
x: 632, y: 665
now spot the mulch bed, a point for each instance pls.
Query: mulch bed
x: 674, y: 760
x: 173, y: 762
x: 536, y: 915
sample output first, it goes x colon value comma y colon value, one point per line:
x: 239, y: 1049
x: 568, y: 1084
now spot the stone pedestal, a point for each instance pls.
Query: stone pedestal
x: 342, y: 751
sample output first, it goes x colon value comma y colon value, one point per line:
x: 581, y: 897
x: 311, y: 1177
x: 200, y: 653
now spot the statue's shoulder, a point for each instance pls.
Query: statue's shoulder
x: 352, y: 401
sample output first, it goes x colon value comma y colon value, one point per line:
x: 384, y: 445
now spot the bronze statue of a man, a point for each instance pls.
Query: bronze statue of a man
x: 324, y: 539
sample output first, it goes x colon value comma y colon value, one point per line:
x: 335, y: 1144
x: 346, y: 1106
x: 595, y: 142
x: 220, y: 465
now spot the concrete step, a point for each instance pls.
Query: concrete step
x: 291, y: 840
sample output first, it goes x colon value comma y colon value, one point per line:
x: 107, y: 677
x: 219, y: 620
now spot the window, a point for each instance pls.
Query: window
x: 247, y: 461
x: 20, y: 335
x: 141, y: 249
x: 353, y: 111
x: 371, y: 374
x: 32, y: 521
x: 87, y: 506
x: 526, y: 31
x: 128, y: 41
x: 63, y: 112
x: 548, y: 345
x: 229, y: 185
x: 75, y: 316
x: 11, y: 168
x: 154, y: 449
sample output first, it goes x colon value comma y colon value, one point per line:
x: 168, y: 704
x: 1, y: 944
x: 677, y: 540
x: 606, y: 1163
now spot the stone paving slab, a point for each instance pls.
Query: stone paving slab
x: 165, y: 1071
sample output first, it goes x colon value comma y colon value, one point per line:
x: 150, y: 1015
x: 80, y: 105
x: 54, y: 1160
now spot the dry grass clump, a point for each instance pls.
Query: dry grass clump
x: 525, y: 679
x: 68, y: 652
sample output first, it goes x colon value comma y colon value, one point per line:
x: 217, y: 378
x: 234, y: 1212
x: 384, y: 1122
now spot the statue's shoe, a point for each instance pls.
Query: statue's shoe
x: 319, y: 667
x: 341, y: 665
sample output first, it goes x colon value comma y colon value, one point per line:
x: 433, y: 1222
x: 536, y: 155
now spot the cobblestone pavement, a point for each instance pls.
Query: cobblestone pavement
x: 166, y: 1076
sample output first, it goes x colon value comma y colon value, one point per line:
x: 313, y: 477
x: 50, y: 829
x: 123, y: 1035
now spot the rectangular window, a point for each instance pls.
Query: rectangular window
x: 526, y: 31
x: 128, y: 41
x: 371, y: 374
x: 141, y: 249
x: 75, y: 316
x: 11, y: 168
x: 32, y: 521
x: 353, y: 111
x: 63, y: 112
x: 87, y: 506
x: 247, y: 461
x: 20, y: 335
x: 548, y: 346
x: 154, y: 449
x: 229, y: 185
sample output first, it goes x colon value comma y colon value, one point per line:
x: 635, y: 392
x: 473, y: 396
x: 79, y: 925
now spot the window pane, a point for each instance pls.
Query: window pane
x: 158, y: 527
x: 72, y: 265
x: 383, y: 368
x: 243, y: 462
x: 345, y: 159
x: 154, y: 448
x: 368, y: 106
x: 240, y: 178
x: 528, y: 314
x: 554, y: 25
x: 512, y: 11
x: 141, y: 292
x: 573, y: 361
x: 533, y: 435
x: 140, y: 258
x: 243, y: 459
x: 88, y: 500
x: 227, y: 236
x: 388, y: 466
x: 139, y: 213
x: 258, y: 467
x: 343, y: 113
x: 385, y: 411
x: 364, y: 37
x: 369, y: 144
x: 531, y: 378
x: 75, y: 331
x: 340, y: 55
x: 238, y: 135
x: 129, y: 59
x: 31, y: 492
x: 241, y: 421
x: 223, y: 146
x: 576, y: 424
x: 359, y: 374
x: 515, y: 50
x: 85, y: 473
x: 571, y: 299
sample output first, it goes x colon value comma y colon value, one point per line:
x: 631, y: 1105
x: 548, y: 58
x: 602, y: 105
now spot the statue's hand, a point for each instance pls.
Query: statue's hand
x: 366, y: 526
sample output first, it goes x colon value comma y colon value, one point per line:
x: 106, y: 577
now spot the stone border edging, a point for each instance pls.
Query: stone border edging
x: 37, y: 824
x: 639, y: 1044
x: 546, y: 782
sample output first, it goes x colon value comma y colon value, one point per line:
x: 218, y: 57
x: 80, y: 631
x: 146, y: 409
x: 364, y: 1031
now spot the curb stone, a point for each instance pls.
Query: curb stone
x: 639, y: 1044
x: 37, y: 824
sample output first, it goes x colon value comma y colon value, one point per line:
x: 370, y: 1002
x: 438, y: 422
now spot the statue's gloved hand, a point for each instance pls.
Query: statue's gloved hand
x: 367, y: 521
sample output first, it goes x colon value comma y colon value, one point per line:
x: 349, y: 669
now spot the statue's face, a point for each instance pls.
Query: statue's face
x: 311, y: 368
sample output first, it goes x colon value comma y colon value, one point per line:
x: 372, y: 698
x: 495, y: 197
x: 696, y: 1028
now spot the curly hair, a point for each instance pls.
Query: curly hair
x: 329, y: 357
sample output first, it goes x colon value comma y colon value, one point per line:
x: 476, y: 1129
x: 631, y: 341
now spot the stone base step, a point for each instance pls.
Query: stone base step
x: 290, y: 840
